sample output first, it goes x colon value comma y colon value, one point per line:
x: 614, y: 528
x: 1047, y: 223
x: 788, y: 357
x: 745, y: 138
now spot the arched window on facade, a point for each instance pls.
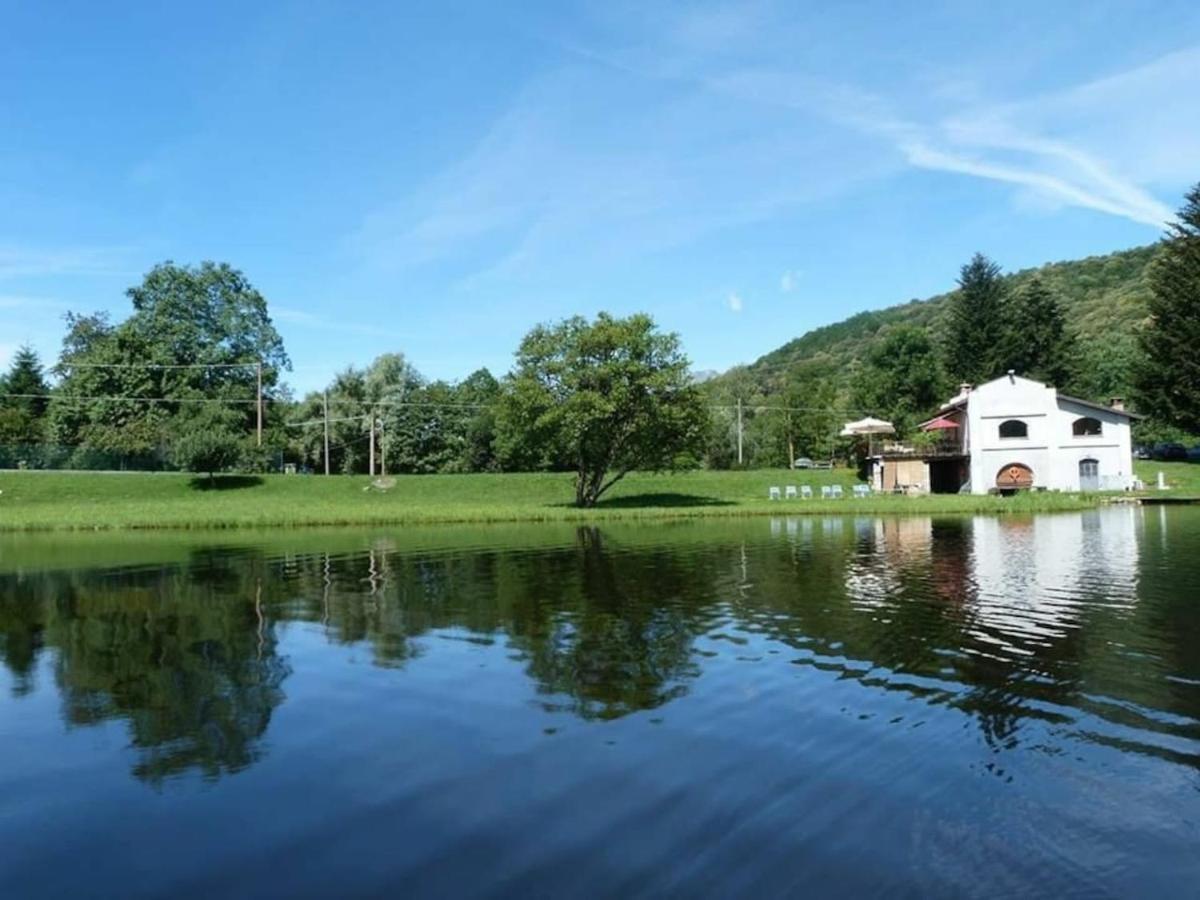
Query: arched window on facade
x: 1086, y: 427
x: 1013, y: 428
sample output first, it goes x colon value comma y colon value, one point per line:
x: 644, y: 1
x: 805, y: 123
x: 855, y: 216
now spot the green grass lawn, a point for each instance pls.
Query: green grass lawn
x: 1182, y: 478
x: 87, y: 500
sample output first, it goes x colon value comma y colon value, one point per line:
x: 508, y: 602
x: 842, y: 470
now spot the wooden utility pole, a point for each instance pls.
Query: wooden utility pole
x: 382, y: 450
x: 326, y: 432
x: 371, y: 452
x: 739, y: 410
x: 259, y: 404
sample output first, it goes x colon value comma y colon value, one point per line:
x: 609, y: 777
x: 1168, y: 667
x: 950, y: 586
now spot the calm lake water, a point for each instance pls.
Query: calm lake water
x: 843, y: 706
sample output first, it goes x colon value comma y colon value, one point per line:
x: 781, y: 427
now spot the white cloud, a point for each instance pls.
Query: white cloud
x: 7, y: 351
x: 1080, y: 191
x: 18, y: 261
x: 1106, y: 144
x: 304, y: 319
x: 1100, y: 145
x: 787, y: 281
x: 735, y: 302
x: 17, y: 301
x: 550, y: 184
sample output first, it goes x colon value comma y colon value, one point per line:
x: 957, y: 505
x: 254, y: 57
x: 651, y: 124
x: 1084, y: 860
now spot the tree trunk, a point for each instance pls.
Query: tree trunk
x: 581, y: 486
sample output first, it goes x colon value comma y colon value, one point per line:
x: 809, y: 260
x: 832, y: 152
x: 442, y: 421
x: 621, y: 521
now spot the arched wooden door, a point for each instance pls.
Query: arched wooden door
x: 1015, y: 477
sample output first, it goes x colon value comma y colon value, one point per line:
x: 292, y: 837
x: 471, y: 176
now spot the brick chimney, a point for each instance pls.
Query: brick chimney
x: 1117, y: 403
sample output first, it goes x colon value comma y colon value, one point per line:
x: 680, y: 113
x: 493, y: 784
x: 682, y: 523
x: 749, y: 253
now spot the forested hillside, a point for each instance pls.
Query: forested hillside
x: 1103, y: 297
x: 794, y: 396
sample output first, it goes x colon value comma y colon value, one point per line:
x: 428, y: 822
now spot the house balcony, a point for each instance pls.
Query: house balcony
x: 944, y: 449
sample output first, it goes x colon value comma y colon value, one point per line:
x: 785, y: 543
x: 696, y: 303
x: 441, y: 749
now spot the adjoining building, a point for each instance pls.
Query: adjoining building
x: 1010, y: 434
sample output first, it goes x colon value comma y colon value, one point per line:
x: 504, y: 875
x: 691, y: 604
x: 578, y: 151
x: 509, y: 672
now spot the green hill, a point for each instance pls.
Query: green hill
x: 1103, y: 299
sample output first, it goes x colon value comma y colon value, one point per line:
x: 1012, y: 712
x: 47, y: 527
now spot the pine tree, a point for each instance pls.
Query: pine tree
x: 976, y: 329
x: 25, y: 385
x: 1168, y: 378
x: 1038, y: 344
x: 22, y: 400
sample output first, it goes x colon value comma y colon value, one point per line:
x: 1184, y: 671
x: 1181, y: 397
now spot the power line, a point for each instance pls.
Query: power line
x: 320, y: 421
x: 74, y: 365
x: 90, y: 399
x: 411, y: 404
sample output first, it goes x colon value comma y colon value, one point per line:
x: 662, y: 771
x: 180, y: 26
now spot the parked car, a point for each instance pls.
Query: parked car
x: 1141, y: 451
x: 1167, y: 452
x: 1194, y: 454
x: 802, y: 463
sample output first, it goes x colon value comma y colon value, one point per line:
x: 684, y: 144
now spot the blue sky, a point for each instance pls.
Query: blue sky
x: 436, y: 178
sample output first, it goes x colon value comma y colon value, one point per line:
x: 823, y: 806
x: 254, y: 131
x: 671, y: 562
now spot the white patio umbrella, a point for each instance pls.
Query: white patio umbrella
x: 869, y: 427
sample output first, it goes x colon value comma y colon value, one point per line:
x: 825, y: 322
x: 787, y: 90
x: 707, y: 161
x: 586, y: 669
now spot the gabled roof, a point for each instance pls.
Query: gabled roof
x: 960, y: 401
x: 1100, y: 406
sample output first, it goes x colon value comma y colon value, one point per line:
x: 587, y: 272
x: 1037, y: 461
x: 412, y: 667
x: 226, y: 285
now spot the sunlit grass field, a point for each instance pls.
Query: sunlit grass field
x: 88, y: 500
x: 1182, y: 478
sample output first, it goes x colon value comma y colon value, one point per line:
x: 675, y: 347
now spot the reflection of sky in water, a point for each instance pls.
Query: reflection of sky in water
x: 887, y: 706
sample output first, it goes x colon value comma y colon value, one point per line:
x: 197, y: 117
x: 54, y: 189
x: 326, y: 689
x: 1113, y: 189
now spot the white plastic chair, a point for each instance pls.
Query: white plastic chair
x: 861, y: 492
x: 826, y: 492
x: 805, y: 492
x: 789, y: 492
x: 773, y: 493
x: 837, y: 492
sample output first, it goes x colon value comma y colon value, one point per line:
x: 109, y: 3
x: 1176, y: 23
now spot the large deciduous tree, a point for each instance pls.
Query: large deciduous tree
x: 902, y: 378
x: 606, y: 397
x: 1168, y: 378
x: 195, y: 332
x: 976, y: 328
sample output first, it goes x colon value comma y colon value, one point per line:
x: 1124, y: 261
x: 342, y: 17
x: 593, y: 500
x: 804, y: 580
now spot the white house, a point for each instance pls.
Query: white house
x: 1015, y: 433
x: 1021, y: 433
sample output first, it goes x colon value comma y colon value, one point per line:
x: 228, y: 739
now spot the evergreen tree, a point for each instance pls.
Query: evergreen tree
x: 23, y: 401
x: 1168, y: 378
x: 1038, y: 344
x: 26, y: 380
x: 976, y: 331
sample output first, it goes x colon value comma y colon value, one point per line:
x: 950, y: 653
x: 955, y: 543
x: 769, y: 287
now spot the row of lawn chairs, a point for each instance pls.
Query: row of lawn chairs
x: 805, y: 492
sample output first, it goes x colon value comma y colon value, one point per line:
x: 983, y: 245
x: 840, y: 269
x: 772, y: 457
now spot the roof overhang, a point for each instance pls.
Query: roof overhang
x: 1100, y: 407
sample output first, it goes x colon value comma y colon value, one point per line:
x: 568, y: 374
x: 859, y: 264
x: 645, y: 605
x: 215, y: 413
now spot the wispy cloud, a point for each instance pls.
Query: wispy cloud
x: 18, y: 301
x: 1103, y: 144
x: 303, y: 319
x: 550, y: 182
x: 734, y: 301
x: 18, y: 261
x: 788, y: 280
x: 1112, y: 137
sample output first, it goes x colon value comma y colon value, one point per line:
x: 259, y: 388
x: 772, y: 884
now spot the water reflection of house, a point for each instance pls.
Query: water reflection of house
x: 1008, y: 434
x: 1034, y: 576
x: 1018, y: 575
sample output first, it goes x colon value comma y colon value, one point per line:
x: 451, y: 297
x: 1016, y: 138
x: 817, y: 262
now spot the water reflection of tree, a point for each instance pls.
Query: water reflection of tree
x: 602, y: 627
x: 187, y: 658
x: 608, y: 631
x: 618, y: 635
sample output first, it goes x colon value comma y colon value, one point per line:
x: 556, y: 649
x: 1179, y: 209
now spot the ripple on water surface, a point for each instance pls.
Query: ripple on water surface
x: 963, y: 706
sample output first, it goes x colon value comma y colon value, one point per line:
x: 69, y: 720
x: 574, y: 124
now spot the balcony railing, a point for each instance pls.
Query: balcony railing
x: 952, y: 447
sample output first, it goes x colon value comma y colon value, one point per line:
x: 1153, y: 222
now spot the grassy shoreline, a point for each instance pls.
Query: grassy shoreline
x: 86, y: 501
